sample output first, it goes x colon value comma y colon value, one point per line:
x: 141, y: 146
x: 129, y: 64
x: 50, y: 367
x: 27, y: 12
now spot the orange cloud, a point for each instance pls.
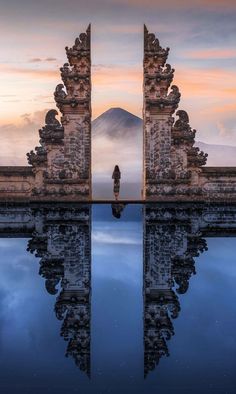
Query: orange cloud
x: 117, y: 87
x: 212, y: 54
x: 204, y: 90
x: 211, y: 82
x: 225, y: 110
x: 30, y: 72
x: 118, y: 77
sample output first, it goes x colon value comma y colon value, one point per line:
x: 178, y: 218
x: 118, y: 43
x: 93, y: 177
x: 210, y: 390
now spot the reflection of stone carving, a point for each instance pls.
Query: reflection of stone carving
x: 62, y: 241
x: 171, y: 242
x: 52, y: 270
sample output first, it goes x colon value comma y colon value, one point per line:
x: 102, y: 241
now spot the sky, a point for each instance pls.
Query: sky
x: 201, y: 36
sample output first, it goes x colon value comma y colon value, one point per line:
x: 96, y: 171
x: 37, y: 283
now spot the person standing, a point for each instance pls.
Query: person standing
x: 116, y: 184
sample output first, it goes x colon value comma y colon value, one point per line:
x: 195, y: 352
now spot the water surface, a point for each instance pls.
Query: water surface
x: 193, y: 350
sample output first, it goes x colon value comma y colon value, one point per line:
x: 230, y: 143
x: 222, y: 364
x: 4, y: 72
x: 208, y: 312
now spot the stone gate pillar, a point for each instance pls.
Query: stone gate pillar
x: 75, y: 106
x: 158, y: 107
x: 172, y: 165
x: 62, y: 164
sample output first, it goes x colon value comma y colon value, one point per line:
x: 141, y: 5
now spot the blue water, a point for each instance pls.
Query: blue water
x: 202, y: 350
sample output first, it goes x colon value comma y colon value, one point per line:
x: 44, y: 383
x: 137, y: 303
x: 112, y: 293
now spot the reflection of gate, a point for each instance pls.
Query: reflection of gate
x: 173, y: 238
x: 61, y: 238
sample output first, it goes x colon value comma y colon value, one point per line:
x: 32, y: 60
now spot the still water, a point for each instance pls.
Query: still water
x: 93, y: 303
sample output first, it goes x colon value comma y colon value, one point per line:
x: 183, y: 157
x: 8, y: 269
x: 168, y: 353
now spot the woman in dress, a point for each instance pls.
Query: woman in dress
x: 116, y: 185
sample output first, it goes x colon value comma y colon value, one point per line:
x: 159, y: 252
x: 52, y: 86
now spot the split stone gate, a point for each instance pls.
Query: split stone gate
x: 173, y: 168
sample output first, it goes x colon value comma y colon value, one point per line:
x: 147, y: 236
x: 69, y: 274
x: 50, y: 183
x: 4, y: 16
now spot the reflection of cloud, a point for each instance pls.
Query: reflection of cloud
x: 109, y: 238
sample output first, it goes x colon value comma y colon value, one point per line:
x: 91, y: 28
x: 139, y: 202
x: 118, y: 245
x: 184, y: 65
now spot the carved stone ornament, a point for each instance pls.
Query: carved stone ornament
x: 52, y: 132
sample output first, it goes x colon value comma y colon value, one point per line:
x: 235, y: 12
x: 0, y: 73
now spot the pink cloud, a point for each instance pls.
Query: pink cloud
x: 30, y: 72
x: 212, y: 54
x: 118, y: 77
x: 208, y: 82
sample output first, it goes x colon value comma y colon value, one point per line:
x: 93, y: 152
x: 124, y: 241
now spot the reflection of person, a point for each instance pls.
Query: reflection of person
x: 116, y: 186
x: 117, y: 209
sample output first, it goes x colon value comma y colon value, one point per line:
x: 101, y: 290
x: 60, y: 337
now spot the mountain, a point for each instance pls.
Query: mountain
x: 117, y: 124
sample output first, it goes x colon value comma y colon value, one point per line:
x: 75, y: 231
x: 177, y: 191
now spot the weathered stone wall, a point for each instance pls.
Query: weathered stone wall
x: 218, y: 183
x: 16, y: 183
